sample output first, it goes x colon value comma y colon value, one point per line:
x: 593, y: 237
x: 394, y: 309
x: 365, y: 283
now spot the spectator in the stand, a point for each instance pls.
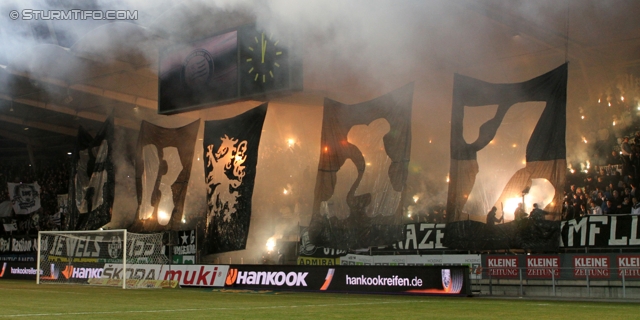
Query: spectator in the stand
x: 589, y: 184
x: 635, y: 159
x: 633, y: 189
x: 635, y: 208
x: 576, y: 205
x: 608, y: 193
x: 610, y: 208
x: 614, y: 158
x: 594, y: 209
x: 600, y: 182
x: 616, y: 199
x: 583, y: 210
x: 567, y: 210
x: 537, y: 213
x: 519, y: 214
x: 636, y: 138
x: 492, y: 219
x: 621, y: 184
x: 597, y: 196
x: 625, y: 207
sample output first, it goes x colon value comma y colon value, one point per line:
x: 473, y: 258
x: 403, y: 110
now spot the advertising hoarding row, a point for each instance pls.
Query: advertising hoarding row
x: 605, y: 266
x: 449, y: 280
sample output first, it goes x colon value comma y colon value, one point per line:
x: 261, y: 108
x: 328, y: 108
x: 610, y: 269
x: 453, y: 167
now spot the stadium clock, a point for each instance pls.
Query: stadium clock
x: 264, y: 63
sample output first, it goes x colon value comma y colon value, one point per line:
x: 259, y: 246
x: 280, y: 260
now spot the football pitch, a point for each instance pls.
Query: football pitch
x: 26, y: 300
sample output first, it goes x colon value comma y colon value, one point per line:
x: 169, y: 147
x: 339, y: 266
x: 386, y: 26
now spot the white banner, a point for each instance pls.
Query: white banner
x: 474, y: 261
x: 25, y: 197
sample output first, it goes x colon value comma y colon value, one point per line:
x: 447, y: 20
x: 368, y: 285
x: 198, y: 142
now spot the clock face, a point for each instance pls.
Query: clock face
x: 264, y: 63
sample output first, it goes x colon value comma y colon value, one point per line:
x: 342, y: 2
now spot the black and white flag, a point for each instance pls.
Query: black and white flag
x: 25, y: 197
x: 163, y: 167
x: 92, y: 181
x: 362, y: 172
x: 231, y: 157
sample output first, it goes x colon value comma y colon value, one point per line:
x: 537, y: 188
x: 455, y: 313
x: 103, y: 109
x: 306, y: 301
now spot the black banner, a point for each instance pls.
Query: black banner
x: 185, y: 243
x: 18, y: 245
x: 546, y: 148
x: 231, y: 156
x: 449, y: 280
x: 308, y: 249
x: 163, y: 168
x: 601, y: 231
x: 92, y: 180
x: 343, y: 218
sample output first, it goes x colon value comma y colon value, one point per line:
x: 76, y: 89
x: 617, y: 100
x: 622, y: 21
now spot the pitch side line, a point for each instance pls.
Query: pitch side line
x: 35, y: 290
x: 198, y: 309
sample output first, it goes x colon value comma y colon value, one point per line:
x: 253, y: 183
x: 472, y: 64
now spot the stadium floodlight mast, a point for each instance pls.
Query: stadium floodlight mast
x: 106, y: 245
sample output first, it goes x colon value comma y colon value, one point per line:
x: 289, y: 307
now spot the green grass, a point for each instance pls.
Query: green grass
x: 26, y: 300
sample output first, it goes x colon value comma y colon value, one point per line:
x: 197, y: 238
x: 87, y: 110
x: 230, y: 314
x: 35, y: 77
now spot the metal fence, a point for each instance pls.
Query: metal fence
x: 625, y: 285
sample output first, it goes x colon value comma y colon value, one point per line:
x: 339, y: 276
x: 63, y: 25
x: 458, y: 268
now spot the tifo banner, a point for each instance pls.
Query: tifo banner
x: 308, y: 249
x: 590, y: 231
x: 421, y: 236
x: 597, y: 266
x: 186, y: 275
x: 92, y: 185
x: 25, y: 197
x: 600, y: 231
x: 103, y: 248
x: 18, y: 270
x: 184, y: 251
x: 163, y: 167
x: 18, y: 244
x: 362, y: 172
x: 545, y: 158
x: 449, y: 280
x: 231, y: 156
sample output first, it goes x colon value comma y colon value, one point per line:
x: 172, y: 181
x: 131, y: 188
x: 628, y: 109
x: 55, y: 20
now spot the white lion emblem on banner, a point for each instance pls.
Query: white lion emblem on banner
x: 227, y: 171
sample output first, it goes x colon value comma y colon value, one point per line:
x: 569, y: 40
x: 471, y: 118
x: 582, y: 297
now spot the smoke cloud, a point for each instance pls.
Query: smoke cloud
x: 353, y: 51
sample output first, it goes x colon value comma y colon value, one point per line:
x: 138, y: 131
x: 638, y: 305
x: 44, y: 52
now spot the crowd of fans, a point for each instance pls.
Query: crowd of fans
x: 607, y: 188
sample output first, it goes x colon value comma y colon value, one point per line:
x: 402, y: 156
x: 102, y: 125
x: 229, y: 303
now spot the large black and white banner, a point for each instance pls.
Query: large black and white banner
x: 163, y: 168
x: 25, y: 197
x: 526, y: 120
x: 231, y: 156
x: 362, y: 171
x: 92, y: 181
x: 600, y: 231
